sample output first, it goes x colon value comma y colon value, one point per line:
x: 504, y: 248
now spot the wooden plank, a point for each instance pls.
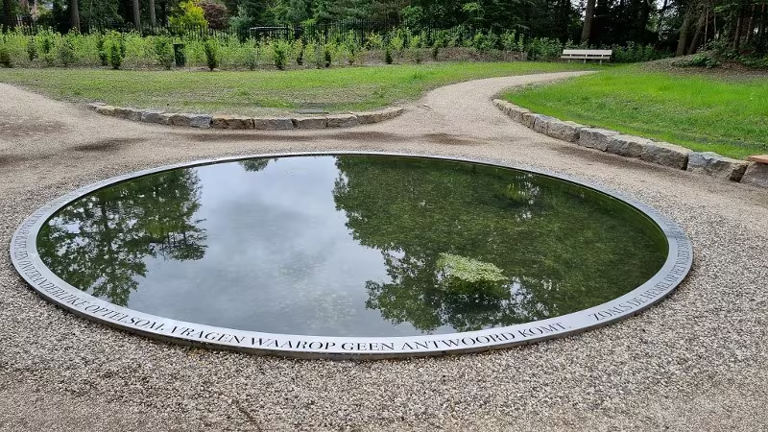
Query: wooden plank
x: 588, y: 52
x: 763, y: 159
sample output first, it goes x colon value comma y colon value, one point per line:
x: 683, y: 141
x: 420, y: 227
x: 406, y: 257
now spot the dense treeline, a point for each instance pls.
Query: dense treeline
x: 682, y: 26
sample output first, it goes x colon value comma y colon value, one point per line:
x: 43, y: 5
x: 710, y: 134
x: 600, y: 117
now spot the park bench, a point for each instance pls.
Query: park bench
x: 581, y: 54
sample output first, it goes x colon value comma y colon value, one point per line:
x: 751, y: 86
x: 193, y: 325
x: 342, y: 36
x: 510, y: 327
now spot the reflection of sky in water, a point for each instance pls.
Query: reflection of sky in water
x: 269, y: 255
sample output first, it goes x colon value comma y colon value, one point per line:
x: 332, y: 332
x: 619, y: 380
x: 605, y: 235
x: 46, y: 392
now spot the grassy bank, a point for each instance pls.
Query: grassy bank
x: 703, y: 112
x: 257, y: 92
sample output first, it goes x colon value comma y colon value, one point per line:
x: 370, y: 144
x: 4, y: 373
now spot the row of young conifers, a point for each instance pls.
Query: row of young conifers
x: 134, y: 51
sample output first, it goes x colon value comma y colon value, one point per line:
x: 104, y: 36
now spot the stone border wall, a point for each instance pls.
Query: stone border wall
x: 649, y: 150
x: 206, y: 121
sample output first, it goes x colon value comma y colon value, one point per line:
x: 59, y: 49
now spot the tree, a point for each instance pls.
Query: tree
x: 152, y: 17
x: 74, y: 15
x: 215, y: 14
x: 188, y: 14
x: 136, y: 14
x: 9, y: 19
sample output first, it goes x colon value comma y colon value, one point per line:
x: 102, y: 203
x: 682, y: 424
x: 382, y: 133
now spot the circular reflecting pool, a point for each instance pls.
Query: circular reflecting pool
x: 354, y: 245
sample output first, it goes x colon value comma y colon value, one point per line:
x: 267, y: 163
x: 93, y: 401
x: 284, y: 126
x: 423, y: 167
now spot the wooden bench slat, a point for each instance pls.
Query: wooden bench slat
x: 580, y: 54
x: 584, y: 52
x: 763, y: 159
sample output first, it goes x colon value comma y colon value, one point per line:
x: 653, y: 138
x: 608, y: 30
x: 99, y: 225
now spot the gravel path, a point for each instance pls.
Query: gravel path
x: 696, y: 362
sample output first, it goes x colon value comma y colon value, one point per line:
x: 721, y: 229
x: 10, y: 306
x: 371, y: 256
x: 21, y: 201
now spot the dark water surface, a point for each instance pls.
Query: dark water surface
x: 352, y: 245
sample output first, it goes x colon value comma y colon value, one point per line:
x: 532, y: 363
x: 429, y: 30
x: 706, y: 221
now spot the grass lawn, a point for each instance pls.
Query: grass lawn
x: 704, y: 112
x: 260, y: 92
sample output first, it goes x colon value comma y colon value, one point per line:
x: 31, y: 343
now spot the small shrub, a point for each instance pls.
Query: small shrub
x: 46, y: 48
x: 211, y: 49
x: 414, y: 47
x: 352, y: 48
x: 66, y: 52
x: 510, y: 42
x: 755, y: 62
x: 280, y: 51
x: 31, y: 49
x: 544, y: 49
x: 103, y: 55
x: 114, y: 47
x: 435, y: 52
x: 164, y: 52
x: 388, y: 55
x: 328, y: 55
x: 5, y: 57
x: 251, y: 58
x: 298, y: 48
x: 699, y: 60
x: 115, y: 56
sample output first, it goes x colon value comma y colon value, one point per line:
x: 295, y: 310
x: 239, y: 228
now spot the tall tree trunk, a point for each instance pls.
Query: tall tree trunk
x: 682, y: 43
x: 737, y: 31
x: 74, y: 15
x: 751, y: 24
x: 152, y: 19
x: 10, y: 19
x: 586, y: 32
x: 136, y: 15
x: 696, y: 41
x: 761, y: 29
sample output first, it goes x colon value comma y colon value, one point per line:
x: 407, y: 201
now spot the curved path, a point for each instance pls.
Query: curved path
x: 695, y: 362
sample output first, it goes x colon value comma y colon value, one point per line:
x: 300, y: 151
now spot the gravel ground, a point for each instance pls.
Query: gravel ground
x: 695, y: 362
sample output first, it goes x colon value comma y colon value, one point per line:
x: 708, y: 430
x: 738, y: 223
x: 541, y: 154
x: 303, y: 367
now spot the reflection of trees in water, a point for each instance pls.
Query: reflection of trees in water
x: 415, y: 210
x: 255, y: 165
x: 100, y: 242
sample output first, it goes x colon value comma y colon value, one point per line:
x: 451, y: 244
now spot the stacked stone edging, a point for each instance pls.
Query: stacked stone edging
x: 206, y: 121
x: 658, y: 152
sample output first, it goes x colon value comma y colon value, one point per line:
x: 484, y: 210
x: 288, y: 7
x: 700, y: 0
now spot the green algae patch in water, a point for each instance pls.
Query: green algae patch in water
x: 352, y: 246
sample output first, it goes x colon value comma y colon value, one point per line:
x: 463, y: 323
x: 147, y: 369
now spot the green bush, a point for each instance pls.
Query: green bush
x: 328, y: 55
x: 699, y: 60
x: 211, y: 48
x: 280, y: 50
x: 352, y: 48
x: 164, y: 52
x: 114, y: 47
x: 31, y: 49
x: 755, y: 62
x: 251, y: 58
x: 103, y: 55
x: 5, y: 57
x: 388, y: 55
x: 298, y: 48
x: 544, y: 49
x: 46, y: 47
x: 66, y: 52
x: 510, y: 42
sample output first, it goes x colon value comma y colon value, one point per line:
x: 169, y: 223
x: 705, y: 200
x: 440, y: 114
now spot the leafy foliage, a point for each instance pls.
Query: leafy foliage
x: 164, y: 52
x: 188, y: 15
x: 211, y: 49
x: 280, y: 51
x: 66, y: 52
x: 5, y: 57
